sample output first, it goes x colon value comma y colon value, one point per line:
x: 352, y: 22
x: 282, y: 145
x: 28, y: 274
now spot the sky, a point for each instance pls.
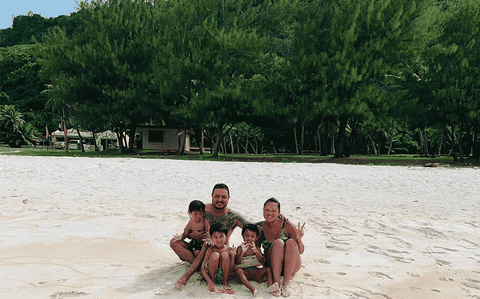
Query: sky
x: 46, y: 8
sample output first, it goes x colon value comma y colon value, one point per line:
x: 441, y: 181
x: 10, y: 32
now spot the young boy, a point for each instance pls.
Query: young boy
x: 219, y: 259
x: 197, y: 226
x: 249, y: 258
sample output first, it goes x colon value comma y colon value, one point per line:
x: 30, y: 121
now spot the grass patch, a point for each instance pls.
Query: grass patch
x: 383, y: 160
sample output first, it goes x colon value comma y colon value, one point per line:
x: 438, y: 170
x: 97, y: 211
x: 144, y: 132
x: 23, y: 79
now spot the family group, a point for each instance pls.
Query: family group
x: 270, y: 250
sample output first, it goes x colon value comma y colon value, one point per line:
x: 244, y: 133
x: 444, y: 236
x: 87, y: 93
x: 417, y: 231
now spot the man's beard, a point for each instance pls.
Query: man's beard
x: 217, y: 208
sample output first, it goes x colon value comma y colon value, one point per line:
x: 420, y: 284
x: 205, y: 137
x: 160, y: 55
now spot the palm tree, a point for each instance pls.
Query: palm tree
x: 14, y: 130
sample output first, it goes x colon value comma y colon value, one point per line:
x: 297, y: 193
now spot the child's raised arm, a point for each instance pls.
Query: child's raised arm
x: 258, y: 253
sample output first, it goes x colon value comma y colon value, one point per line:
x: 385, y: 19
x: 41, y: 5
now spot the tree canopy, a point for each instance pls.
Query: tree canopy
x: 346, y: 76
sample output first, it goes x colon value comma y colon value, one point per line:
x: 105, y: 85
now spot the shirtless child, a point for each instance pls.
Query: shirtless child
x: 247, y: 260
x: 197, y: 226
x: 219, y: 259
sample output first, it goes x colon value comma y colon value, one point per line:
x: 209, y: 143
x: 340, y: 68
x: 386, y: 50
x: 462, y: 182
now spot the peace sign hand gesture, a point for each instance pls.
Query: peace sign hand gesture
x: 300, y: 231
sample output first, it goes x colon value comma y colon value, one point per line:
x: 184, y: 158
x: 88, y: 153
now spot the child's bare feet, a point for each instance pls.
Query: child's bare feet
x: 227, y: 288
x: 211, y: 287
x: 274, y: 289
x: 285, y: 291
x: 181, y: 282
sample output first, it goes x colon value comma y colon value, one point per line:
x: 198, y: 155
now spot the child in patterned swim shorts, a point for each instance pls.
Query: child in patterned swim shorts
x: 198, y: 224
x: 218, y: 261
x: 249, y: 261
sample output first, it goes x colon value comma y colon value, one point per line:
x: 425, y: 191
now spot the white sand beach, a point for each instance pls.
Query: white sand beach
x: 100, y: 228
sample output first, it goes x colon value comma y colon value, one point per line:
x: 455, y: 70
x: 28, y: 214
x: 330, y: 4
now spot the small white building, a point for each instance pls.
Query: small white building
x: 161, y: 139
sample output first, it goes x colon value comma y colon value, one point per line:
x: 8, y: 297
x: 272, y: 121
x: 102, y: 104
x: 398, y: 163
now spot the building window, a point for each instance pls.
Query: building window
x: 155, y: 136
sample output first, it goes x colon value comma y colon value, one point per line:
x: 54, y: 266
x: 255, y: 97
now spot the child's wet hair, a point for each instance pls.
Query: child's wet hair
x: 218, y: 227
x: 196, y: 205
x: 250, y: 227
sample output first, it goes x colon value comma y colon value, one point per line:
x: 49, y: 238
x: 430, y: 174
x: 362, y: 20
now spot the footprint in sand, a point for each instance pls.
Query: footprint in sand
x: 431, y: 233
x: 321, y: 261
x: 332, y: 245
x: 471, y: 283
x: 444, y: 248
x: 59, y: 295
x: 467, y: 244
x: 380, y: 274
x: 397, y: 257
x: 442, y: 262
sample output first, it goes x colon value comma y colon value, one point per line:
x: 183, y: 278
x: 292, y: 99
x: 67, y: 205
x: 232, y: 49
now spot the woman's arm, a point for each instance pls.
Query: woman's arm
x: 296, y: 234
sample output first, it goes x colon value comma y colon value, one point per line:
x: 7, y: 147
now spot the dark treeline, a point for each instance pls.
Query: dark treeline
x: 330, y: 77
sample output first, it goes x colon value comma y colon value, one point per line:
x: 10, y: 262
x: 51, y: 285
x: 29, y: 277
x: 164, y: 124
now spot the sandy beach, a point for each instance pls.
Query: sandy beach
x: 100, y: 228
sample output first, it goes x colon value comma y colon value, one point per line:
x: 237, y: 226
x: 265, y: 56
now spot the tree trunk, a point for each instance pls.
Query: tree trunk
x: 302, y: 136
x: 426, y: 141
x: 121, y: 138
x: 218, y: 140
x: 79, y: 136
x: 295, y: 134
x: 324, y: 140
x: 390, y: 146
x: 332, y: 150
x: 95, y: 141
x: 238, y: 143
x: 351, y: 141
x: 453, y: 139
x: 341, y: 137
x: 460, y: 139
x: 390, y: 141
x: 231, y: 142
x: 476, y: 144
x: 202, y: 141
x: 440, y: 144
x: 131, y: 141
x: 373, y: 143
x: 183, y: 143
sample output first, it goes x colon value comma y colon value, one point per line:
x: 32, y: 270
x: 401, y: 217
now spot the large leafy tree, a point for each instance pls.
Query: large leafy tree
x: 346, y: 47
x: 453, y: 77
x: 22, y: 86
x: 30, y: 28
x: 104, y: 73
x: 211, y: 45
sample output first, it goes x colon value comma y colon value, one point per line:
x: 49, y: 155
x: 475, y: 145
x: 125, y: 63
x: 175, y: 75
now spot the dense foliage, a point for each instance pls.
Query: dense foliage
x: 325, y: 76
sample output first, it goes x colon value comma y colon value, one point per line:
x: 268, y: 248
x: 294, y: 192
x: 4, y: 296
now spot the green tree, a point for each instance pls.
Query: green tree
x: 13, y: 129
x: 105, y: 72
x: 22, y: 85
x: 453, y: 77
x: 211, y: 44
x: 30, y: 29
x: 345, y: 47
